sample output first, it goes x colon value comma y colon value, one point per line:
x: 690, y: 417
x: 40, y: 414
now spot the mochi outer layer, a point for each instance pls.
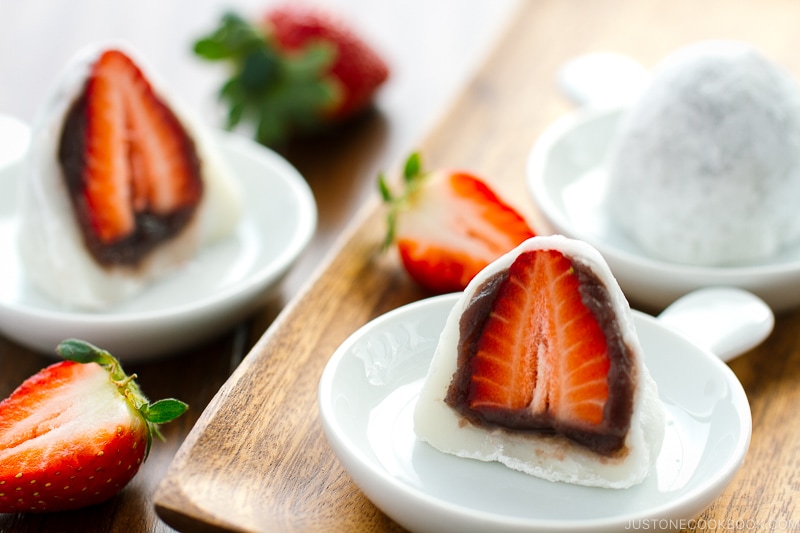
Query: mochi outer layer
x: 706, y: 166
x: 50, y: 242
x: 550, y: 457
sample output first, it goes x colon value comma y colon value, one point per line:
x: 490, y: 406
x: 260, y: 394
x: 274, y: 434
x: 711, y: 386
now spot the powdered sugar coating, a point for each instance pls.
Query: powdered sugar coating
x: 706, y: 167
x: 549, y: 457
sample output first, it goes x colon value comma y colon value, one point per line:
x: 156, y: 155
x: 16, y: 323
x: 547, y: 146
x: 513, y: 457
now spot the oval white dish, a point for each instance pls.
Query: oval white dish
x: 367, y: 395
x: 566, y: 178
x: 221, y: 285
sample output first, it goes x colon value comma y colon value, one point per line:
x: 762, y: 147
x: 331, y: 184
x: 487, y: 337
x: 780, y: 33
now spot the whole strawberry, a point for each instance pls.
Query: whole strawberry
x: 448, y: 226
x: 295, y: 71
x: 75, y: 433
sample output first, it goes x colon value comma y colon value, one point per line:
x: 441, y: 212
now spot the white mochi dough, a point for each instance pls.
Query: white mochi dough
x: 706, y: 166
x: 549, y: 457
x: 49, y: 239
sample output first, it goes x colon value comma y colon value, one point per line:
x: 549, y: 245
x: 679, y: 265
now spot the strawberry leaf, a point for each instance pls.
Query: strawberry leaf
x: 163, y: 411
x: 232, y: 91
x: 391, y: 217
x: 412, y: 179
x: 383, y: 188
x: 84, y: 352
x: 259, y: 70
x: 279, y: 93
x: 234, y: 37
x: 412, y: 167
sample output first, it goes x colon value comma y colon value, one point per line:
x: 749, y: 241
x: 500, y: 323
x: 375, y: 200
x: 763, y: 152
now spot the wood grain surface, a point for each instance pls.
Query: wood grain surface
x: 257, y: 459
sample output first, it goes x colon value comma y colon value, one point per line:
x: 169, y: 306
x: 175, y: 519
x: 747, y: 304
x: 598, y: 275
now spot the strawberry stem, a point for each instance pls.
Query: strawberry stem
x: 413, y: 176
x: 159, y: 412
x: 124, y: 382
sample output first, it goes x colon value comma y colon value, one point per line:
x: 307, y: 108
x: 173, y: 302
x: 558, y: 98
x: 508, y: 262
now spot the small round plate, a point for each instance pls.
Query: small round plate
x: 367, y: 396
x: 224, y: 283
x: 567, y: 180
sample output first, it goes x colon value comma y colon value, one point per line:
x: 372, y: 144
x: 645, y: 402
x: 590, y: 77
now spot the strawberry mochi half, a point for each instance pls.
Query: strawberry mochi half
x: 539, y: 367
x: 120, y: 187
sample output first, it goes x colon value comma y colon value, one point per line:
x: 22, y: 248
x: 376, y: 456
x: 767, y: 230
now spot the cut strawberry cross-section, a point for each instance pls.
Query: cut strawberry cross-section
x: 75, y: 433
x: 448, y: 225
x: 544, y: 356
x: 132, y: 170
x: 539, y: 367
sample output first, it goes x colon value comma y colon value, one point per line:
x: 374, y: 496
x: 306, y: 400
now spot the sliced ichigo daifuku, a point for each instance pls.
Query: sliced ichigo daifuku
x: 120, y: 188
x: 539, y: 367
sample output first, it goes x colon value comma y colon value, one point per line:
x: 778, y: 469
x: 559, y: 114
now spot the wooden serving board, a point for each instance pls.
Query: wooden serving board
x: 257, y: 459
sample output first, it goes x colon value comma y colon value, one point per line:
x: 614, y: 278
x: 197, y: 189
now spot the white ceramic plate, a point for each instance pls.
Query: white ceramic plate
x: 566, y: 178
x: 367, y: 395
x: 221, y: 285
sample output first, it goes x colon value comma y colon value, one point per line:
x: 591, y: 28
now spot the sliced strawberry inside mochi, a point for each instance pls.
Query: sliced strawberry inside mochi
x: 540, y: 351
x: 539, y: 367
x: 131, y: 168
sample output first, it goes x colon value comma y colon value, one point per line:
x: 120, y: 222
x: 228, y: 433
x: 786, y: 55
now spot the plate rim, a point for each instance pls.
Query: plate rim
x: 226, y: 298
x: 535, y: 178
x: 338, y: 438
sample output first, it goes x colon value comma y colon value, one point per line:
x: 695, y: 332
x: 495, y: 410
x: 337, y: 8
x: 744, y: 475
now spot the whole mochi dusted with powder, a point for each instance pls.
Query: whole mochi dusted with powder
x: 539, y: 367
x: 706, y: 166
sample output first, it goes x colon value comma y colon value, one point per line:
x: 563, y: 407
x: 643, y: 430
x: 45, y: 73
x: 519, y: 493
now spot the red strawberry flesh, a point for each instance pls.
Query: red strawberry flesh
x: 131, y: 168
x: 75, y: 433
x: 453, y: 226
x: 66, y: 441
x: 540, y: 350
x: 357, y: 69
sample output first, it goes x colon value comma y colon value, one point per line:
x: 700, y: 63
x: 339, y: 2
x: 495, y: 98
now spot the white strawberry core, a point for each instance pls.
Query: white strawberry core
x: 81, y: 413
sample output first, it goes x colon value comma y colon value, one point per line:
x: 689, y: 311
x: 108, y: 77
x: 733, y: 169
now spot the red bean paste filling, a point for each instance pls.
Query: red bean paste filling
x: 609, y: 437
x: 151, y: 229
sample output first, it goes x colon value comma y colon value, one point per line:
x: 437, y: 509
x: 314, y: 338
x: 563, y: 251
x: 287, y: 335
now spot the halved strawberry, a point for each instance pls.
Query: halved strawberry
x: 75, y: 433
x: 132, y: 169
x: 448, y: 226
x: 544, y: 356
